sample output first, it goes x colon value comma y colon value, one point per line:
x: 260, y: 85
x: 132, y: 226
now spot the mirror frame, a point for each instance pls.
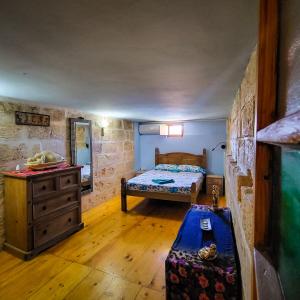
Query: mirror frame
x: 73, y: 122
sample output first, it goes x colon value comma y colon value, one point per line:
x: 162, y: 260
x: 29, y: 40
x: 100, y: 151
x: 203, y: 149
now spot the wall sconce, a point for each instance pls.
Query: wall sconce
x: 103, y: 124
x: 221, y: 144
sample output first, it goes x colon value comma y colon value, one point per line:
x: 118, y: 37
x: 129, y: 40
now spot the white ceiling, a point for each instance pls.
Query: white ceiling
x: 136, y: 59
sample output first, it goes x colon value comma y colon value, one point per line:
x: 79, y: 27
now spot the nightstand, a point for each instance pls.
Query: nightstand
x: 214, y: 180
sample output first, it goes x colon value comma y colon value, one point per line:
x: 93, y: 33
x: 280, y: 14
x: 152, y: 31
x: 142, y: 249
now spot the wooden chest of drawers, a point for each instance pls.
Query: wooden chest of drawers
x: 214, y: 180
x: 41, y: 208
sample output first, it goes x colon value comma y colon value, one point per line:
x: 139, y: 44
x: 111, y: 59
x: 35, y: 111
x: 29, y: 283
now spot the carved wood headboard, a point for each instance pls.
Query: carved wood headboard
x: 181, y: 158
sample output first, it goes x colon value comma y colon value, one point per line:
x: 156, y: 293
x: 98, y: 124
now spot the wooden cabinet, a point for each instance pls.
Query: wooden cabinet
x: 214, y: 180
x: 41, y: 208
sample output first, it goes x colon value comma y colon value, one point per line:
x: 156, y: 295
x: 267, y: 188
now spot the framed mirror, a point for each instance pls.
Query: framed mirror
x: 81, y: 151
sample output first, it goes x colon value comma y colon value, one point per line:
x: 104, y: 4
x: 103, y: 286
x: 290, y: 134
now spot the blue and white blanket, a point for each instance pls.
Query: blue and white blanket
x: 181, y: 185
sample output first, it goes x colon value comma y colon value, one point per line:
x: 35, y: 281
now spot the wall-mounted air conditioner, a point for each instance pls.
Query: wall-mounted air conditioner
x: 149, y: 129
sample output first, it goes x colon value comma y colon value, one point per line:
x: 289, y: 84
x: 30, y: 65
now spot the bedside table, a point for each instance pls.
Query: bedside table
x: 214, y: 180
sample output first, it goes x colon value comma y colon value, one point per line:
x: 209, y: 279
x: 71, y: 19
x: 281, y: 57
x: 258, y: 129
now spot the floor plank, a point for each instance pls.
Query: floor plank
x: 22, y: 283
x: 148, y: 294
x: 91, y: 287
x: 61, y: 284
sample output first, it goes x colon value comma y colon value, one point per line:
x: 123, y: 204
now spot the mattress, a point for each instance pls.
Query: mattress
x: 182, y: 182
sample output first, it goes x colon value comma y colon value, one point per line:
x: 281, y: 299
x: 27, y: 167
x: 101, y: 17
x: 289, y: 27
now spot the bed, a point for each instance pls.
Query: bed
x: 185, y: 188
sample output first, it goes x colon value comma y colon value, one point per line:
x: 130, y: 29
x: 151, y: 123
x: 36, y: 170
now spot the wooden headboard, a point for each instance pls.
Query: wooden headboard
x: 181, y: 158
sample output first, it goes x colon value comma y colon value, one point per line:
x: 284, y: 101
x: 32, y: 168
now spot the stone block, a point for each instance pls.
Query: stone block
x: 112, y: 147
x: 247, y: 119
x: 10, y: 107
x: 39, y: 132
x: 247, y: 208
x: 97, y: 147
x: 128, y: 146
x: 56, y: 115
x: 118, y: 135
x: 116, y: 124
x: 7, y: 119
x: 241, y: 154
x: 128, y: 124
x: 107, y: 172
x: 58, y: 132
x: 10, y: 153
x: 10, y: 132
x: 249, y: 154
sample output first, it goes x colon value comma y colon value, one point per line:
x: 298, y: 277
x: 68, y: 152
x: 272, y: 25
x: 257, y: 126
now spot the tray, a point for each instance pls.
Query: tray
x: 44, y: 166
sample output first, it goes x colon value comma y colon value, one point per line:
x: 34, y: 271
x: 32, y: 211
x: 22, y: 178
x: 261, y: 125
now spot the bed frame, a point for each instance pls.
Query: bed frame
x: 178, y: 158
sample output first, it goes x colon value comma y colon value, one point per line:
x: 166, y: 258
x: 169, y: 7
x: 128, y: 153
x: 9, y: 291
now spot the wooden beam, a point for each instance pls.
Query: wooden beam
x: 267, y: 64
x: 265, y: 112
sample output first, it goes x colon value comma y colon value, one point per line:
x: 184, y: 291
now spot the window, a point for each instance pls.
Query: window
x: 171, y: 130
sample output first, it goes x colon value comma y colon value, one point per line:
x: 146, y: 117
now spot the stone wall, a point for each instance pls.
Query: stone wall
x: 113, y: 153
x: 240, y: 170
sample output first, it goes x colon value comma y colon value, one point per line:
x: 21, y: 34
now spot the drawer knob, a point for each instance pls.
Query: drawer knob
x: 44, y: 187
x: 44, y: 207
x: 45, y: 231
x: 70, y: 219
x: 69, y: 198
x: 68, y: 181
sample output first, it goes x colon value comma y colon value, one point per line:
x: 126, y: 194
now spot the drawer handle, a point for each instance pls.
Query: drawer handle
x: 44, y: 187
x: 69, y: 198
x: 68, y: 181
x: 70, y: 220
x: 45, y: 231
x: 44, y: 207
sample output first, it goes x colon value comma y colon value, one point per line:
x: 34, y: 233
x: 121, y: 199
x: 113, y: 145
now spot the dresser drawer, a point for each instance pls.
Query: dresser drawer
x: 48, y: 206
x: 50, y: 229
x: 216, y: 181
x: 69, y: 180
x: 44, y: 187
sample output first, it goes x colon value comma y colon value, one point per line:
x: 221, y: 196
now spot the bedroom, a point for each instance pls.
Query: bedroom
x: 94, y: 96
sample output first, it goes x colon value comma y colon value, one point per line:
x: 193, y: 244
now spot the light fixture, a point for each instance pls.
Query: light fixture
x: 103, y: 124
x: 221, y: 144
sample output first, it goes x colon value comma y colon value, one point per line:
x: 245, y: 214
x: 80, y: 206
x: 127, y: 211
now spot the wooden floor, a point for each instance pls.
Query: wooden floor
x: 116, y: 256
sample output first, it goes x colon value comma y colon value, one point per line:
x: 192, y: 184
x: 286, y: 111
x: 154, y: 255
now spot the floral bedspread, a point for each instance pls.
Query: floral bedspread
x: 188, y: 277
x: 182, y: 181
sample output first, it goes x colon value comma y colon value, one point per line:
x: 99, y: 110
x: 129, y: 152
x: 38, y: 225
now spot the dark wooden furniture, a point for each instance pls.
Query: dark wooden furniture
x: 176, y: 158
x: 212, y: 180
x: 41, y: 209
